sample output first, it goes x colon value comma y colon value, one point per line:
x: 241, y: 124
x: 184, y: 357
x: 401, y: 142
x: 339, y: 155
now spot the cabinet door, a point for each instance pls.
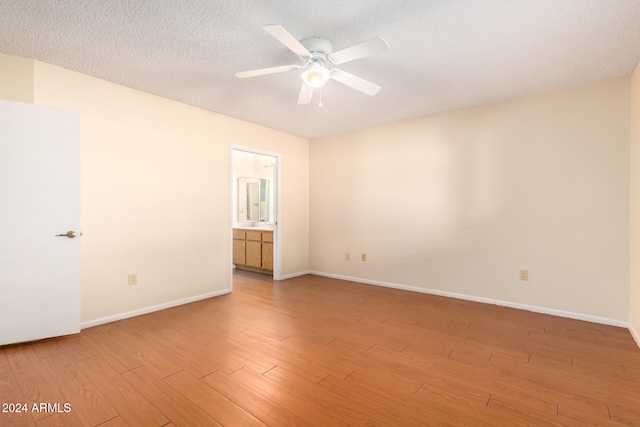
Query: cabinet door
x: 239, y: 257
x: 254, y: 254
x: 267, y: 256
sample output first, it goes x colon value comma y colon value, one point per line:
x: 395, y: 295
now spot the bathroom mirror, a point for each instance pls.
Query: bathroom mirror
x: 254, y: 201
x: 263, y: 195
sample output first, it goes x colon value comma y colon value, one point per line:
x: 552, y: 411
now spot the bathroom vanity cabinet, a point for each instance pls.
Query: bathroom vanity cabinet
x: 253, y: 250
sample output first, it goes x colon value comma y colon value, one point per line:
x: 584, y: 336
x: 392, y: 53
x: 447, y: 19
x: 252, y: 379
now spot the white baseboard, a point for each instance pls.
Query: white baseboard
x: 634, y: 334
x: 292, y: 275
x: 535, y: 309
x: 151, y: 309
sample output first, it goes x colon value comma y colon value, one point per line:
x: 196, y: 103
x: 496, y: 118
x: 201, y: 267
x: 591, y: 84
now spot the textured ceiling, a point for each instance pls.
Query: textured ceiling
x: 445, y: 54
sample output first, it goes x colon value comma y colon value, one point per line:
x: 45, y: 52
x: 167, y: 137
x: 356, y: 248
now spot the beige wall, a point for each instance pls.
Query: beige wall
x: 155, y: 179
x: 634, y: 296
x: 459, y: 202
x: 16, y: 79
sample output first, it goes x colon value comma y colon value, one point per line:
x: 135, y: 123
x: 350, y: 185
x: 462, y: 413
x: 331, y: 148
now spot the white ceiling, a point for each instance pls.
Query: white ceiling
x: 445, y: 54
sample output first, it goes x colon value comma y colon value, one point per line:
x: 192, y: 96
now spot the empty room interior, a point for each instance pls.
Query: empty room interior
x: 443, y: 229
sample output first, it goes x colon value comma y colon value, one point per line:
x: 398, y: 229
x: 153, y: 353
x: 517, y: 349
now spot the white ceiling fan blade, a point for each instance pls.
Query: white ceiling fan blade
x: 288, y: 40
x: 306, y: 93
x: 360, y: 50
x: 263, y: 71
x: 355, y: 82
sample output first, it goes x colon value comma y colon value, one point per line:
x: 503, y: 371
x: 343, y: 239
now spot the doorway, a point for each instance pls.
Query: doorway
x: 255, y: 211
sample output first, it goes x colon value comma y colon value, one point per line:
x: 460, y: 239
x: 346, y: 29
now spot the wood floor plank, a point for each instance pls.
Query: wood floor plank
x: 278, y: 356
x: 144, y: 354
x: 15, y: 414
x: 419, y: 407
x: 213, y: 358
x: 447, y: 386
x: 132, y: 407
x: 380, y: 335
x: 260, y: 335
x: 35, y: 382
x: 75, y: 347
x: 345, y: 337
x: 176, y: 407
x: 313, y: 411
x: 538, y: 411
x: 85, y: 399
x: 354, y: 404
x: 146, y: 323
x: 243, y: 357
x: 439, y: 347
x: 311, y: 353
x: 3, y: 357
x: 511, y: 360
x: 177, y: 320
x: 60, y: 420
x: 176, y: 355
x: 47, y: 347
x: 314, y: 332
x: 584, y: 413
x: 587, y: 363
x: 404, y: 376
x: 627, y: 414
x: 548, y: 357
x: 260, y: 406
x: 465, y: 371
x: 210, y: 401
x: 212, y: 323
x: 119, y: 422
x: 100, y: 341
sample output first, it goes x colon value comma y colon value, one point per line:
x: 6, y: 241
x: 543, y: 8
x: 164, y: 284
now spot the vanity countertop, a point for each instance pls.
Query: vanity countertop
x: 254, y: 228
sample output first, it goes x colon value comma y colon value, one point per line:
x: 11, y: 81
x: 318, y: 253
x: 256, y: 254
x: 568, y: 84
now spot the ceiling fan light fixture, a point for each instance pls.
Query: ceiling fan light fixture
x: 316, y: 75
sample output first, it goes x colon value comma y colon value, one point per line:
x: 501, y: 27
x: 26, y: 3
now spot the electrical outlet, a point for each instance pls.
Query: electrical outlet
x: 524, y: 274
x: 347, y: 256
x: 364, y: 257
x: 133, y: 279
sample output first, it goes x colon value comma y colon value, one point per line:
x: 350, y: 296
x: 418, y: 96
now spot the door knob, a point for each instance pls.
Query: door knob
x: 69, y: 234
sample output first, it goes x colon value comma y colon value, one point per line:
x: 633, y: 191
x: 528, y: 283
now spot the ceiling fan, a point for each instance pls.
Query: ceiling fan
x: 316, y: 53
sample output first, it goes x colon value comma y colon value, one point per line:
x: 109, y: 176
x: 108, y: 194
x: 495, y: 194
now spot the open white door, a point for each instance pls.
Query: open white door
x: 39, y: 198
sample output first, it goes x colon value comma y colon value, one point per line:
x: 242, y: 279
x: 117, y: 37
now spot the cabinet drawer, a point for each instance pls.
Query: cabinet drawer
x: 239, y: 234
x: 267, y: 236
x: 254, y: 235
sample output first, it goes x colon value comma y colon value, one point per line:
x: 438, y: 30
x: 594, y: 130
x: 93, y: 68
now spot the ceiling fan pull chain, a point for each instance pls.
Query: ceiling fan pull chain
x: 320, y: 97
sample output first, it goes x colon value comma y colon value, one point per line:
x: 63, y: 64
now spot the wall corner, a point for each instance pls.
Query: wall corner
x: 634, y: 238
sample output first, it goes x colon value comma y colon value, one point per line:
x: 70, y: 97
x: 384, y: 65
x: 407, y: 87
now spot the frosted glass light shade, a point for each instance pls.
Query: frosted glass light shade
x: 316, y: 75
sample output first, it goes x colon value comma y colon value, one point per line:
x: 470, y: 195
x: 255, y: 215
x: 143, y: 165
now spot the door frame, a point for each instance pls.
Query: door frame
x: 277, y: 246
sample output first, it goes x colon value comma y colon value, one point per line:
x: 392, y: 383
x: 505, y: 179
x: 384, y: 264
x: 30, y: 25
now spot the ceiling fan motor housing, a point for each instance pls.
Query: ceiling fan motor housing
x: 318, y: 47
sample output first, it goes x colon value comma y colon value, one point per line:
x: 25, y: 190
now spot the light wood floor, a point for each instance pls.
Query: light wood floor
x: 314, y: 351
